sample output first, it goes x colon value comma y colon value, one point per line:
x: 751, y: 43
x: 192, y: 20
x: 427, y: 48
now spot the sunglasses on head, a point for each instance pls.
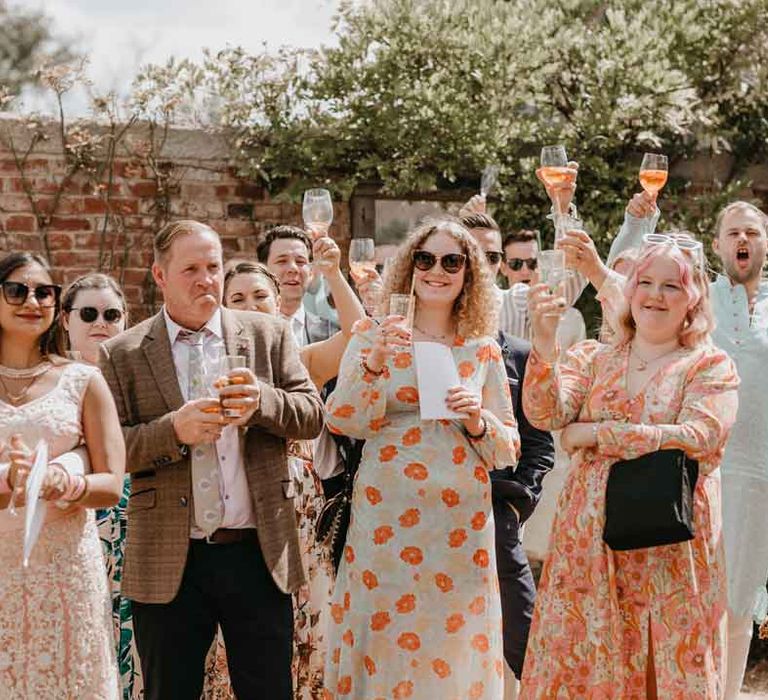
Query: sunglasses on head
x: 517, y: 263
x: 451, y: 263
x: 493, y: 256
x: 16, y: 293
x: 88, y: 314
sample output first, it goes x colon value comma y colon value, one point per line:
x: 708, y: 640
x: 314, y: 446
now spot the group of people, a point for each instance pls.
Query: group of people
x: 262, y: 386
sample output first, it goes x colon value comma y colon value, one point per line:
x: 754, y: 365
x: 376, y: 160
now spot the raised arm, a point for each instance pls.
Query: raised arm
x: 640, y: 217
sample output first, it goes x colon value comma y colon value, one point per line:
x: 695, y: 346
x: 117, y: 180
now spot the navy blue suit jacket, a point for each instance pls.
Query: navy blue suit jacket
x: 522, y: 486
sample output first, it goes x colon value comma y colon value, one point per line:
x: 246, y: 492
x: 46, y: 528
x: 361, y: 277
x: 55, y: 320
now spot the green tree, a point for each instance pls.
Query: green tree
x: 26, y: 43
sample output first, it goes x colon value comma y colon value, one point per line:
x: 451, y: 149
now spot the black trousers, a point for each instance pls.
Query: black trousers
x: 228, y: 585
x: 518, y: 590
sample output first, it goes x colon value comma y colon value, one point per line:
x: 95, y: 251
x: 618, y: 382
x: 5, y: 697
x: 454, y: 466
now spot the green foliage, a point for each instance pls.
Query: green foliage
x: 421, y: 94
x: 26, y: 43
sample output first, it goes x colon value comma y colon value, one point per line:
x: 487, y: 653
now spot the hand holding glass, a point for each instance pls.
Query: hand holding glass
x: 232, y: 362
x: 552, y: 270
x: 317, y: 211
x: 362, y: 258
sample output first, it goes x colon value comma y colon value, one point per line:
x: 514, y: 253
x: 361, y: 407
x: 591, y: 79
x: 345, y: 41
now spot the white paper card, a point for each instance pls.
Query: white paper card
x: 435, y: 373
x: 35, y: 509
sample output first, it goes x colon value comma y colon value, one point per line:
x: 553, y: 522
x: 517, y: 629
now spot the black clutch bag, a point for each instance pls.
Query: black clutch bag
x: 649, y: 501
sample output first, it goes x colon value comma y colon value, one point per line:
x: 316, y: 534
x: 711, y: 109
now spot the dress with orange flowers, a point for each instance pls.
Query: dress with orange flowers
x: 416, y: 610
x: 589, y: 636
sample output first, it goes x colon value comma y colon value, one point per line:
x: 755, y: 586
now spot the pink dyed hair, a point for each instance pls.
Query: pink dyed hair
x: 699, y: 321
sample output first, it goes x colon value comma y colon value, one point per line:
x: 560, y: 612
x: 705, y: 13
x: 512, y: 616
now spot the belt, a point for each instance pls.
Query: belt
x: 228, y: 535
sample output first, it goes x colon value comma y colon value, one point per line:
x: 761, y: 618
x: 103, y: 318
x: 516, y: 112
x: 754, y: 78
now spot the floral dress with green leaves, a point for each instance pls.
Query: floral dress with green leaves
x: 112, y: 524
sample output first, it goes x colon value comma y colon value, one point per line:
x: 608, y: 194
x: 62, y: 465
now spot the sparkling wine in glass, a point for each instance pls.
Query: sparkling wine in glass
x: 232, y: 362
x: 653, y: 173
x: 362, y: 258
x: 554, y: 165
x: 317, y: 212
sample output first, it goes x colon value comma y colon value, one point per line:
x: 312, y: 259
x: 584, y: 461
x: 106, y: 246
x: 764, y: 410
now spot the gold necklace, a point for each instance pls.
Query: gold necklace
x: 643, y: 364
x: 432, y: 335
x: 31, y: 374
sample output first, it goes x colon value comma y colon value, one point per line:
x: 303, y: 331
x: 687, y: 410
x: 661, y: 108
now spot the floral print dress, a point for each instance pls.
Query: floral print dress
x: 589, y: 637
x: 112, y: 524
x: 416, y: 611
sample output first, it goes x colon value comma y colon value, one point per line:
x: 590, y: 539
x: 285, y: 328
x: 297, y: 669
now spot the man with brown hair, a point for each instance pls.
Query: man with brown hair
x: 212, y: 537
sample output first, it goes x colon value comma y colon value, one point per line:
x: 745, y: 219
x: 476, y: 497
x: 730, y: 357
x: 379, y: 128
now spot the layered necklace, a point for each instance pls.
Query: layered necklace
x: 28, y: 376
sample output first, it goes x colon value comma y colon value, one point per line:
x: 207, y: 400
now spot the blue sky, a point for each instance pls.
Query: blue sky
x: 121, y: 35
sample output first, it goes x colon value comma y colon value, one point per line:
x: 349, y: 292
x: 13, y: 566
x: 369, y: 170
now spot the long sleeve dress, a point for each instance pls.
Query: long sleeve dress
x: 416, y: 611
x: 589, y: 637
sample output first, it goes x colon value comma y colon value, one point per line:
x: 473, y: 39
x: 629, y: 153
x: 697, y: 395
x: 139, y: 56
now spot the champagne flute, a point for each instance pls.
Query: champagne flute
x: 552, y: 268
x: 317, y: 211
x: 362, y: 257
x: 653, y: 173
x: 399, y: 304
x: 488, y: 180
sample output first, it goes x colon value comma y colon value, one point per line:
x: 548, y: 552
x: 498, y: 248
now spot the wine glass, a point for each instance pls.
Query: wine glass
x: 362, y: 257
x: 653, y: 173
x: 555, y: 170
x: 317, y: 211
x: 488, y: 180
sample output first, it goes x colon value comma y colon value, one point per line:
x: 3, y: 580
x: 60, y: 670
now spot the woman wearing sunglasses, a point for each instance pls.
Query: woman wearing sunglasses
x: 93, y: 311
x: 56, y: 635
x: 416, y: 611
x: 645, y: 622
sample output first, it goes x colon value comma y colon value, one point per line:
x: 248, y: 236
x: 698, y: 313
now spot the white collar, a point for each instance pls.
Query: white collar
x: 213, y: 325
x: 299, y: 317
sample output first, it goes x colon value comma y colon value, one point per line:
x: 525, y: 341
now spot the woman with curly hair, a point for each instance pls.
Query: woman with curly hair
x: 416, y: 610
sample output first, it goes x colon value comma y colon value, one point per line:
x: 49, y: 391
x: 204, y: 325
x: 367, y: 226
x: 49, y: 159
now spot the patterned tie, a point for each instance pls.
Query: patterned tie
x: 209, y: 509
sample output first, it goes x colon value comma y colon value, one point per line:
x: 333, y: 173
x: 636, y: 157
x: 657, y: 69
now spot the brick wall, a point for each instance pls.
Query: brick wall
x: 88, y: 227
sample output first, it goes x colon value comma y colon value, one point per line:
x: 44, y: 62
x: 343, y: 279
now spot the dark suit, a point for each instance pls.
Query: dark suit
x: 521, y: 488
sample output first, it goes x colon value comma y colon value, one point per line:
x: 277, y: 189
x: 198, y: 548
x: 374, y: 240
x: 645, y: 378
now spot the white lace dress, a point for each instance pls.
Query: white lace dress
x: 56, y: 639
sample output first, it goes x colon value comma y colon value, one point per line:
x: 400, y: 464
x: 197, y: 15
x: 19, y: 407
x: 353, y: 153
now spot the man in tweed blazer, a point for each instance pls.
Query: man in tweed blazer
x: 183, y: 576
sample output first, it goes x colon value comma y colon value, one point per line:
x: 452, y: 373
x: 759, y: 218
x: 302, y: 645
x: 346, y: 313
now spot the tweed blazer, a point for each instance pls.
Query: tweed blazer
x: 138, y: 366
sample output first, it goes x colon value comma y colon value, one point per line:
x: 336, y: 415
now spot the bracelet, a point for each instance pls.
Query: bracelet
x: 481, y: 434
x: 368, y: 370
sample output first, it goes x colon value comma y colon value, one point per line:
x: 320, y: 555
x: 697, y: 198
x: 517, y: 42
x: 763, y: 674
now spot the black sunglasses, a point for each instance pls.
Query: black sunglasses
x: 16, y: 293
x: 517, y: 263
x: 88, y: 314
x: 493, y: 256
x: 451, y: 263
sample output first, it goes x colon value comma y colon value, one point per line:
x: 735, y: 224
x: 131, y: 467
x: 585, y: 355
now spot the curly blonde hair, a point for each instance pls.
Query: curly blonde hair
x: 476, y: 308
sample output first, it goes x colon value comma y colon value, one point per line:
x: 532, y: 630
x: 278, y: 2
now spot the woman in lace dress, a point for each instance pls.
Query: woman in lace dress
x: 416, y: 610
x: 252, y: 287
x: 93, y: 311
x: 56, y: 630
x: 645, y: 623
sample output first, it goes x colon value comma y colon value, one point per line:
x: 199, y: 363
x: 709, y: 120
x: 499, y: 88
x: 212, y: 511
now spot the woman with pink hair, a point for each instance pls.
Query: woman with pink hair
x: 643, y: 623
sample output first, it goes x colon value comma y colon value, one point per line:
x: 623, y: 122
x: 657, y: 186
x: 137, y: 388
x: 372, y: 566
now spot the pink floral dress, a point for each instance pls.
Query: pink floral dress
x: 416, y: 611
x: 589, y: 637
